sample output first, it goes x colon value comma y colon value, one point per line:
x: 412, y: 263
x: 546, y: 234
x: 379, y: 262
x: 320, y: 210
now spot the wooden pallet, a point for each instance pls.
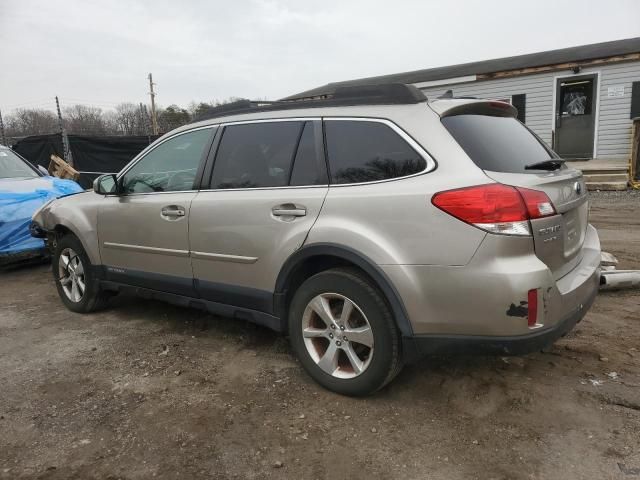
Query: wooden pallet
x: 61, y: 169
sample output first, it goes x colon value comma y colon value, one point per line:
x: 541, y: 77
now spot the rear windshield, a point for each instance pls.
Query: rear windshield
x: 498, y: 144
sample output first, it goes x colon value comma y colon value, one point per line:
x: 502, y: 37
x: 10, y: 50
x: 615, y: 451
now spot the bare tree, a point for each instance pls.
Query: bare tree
x: 84, y: 120
x: 33, y: 121
x: 125, y: 120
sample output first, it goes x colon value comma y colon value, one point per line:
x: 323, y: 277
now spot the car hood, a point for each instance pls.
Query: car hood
x: 56, y: 186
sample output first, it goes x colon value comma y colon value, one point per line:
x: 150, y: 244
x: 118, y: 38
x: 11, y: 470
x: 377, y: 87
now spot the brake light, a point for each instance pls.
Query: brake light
x: 538, y: 204
x: 499, y: 104
x: 495, y: 208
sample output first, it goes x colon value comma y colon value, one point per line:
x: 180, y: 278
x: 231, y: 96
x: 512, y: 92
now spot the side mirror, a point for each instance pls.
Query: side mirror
x: 43, y: 170
x: 106, y: 184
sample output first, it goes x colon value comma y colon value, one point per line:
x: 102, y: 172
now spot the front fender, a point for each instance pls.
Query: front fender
x: 77, y: 213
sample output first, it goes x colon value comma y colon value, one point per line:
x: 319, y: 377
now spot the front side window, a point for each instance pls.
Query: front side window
x: 12, y: 166
x: 170, y: 167
x: 256, y: 155
x: 367, y: 151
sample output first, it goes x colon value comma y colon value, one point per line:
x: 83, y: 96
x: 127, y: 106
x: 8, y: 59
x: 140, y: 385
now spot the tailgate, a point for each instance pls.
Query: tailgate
x: 509, y: 153
x: 558, y: 239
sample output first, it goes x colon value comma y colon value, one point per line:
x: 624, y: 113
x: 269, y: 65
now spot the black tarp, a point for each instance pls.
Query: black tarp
x: 92, y: 155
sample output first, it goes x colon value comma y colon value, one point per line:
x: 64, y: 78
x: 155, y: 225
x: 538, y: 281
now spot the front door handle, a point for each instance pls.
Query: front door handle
x: 289, y: 210
x: 173, y: 211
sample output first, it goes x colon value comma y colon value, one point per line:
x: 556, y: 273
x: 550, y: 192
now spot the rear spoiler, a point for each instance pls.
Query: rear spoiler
x: 493, y: 108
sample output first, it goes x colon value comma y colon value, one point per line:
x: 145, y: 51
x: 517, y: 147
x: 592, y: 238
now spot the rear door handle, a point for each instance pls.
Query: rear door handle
x: 173, y: 211
x: 289, y: 210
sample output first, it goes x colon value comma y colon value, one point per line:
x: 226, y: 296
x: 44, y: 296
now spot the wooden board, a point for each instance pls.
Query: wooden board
x: 61, y: 169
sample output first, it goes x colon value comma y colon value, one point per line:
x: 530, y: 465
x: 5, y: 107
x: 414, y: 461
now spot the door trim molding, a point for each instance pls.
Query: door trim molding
x: 596, y: 105
x: 221, y: 257
x: 143, y: 249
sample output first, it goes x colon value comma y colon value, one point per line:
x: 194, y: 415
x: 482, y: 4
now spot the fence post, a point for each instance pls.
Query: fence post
x: 66, y: 150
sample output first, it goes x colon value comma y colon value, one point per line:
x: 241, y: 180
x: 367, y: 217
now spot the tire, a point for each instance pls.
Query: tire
x: 328, y: 356
x: 68, y: 249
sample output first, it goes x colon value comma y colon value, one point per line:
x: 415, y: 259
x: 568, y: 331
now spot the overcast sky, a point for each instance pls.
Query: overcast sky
x: 100, y: 52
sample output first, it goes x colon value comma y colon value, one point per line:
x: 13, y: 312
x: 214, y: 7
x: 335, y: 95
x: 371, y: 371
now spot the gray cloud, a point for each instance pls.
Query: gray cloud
x: 100, y: 52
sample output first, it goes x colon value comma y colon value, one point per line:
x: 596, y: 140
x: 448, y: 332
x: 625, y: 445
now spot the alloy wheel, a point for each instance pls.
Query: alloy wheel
x: 337, y: 335
x: 71, y: 275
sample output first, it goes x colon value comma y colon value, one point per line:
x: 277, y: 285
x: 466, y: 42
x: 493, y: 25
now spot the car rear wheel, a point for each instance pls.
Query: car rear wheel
x: 343, y: 332
x: 77, y: 286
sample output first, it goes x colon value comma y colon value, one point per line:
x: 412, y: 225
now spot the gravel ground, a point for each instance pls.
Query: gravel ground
x: 147, y: 390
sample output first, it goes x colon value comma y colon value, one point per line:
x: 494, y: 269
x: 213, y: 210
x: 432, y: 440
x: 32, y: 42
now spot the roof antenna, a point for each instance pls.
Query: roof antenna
x: 447, y: 94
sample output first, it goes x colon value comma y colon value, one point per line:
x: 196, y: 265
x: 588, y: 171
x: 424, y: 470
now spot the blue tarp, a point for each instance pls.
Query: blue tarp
x: 19, y: 199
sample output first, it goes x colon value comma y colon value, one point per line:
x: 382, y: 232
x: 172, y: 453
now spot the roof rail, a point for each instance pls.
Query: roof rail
x: 384, y: 94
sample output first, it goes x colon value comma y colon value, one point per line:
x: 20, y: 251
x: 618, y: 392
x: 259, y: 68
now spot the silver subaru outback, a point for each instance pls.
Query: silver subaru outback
x: 373, y: 227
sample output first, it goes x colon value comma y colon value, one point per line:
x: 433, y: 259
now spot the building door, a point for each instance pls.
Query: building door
x: 575, y: 116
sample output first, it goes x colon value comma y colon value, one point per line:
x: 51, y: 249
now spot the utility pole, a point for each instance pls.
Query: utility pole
x: 65, y: 141
x: 154, y: 119
x: 3, y: 139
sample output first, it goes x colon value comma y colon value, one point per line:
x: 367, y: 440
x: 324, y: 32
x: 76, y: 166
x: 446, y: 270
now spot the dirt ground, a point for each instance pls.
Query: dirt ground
x: 147, y: 390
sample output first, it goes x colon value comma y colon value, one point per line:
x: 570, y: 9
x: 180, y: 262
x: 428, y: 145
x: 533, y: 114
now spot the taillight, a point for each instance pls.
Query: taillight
x: 537, y: 202
x: 496, y: 208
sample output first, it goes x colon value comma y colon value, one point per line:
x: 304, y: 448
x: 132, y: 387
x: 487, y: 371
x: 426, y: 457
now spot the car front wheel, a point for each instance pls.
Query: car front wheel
x: 77, y: 286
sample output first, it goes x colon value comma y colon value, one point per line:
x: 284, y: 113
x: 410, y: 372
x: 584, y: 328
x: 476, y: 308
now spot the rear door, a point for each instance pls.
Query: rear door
x: 503, y: 147
x: 143, y: 232
x: 266, y: 190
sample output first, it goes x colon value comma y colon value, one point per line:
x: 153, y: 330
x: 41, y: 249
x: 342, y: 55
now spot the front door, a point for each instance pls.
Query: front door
x: 268, y: 185
x: 144, y: 231
x: 575, y: 116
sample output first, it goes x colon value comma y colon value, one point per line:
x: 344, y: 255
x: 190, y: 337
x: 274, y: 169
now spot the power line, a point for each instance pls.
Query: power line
x: 30, y: 102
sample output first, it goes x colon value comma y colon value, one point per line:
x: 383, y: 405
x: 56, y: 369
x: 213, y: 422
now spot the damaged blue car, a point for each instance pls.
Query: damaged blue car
x: 24, y: 190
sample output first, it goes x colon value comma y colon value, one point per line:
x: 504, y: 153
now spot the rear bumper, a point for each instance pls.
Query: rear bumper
x: 419, y: 346
x: 482, y: 306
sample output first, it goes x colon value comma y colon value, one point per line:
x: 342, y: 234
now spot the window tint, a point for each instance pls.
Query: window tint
x: 497, y: 144
x: 361, y: 151
x: 170, y: 167
x: 256, y: 155
x: 309, y: 167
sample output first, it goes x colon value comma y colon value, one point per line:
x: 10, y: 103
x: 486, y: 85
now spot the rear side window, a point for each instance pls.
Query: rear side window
x: 256, y: 155
x: 497, y: 144
x: 309, y: 167
x: 366, y: 151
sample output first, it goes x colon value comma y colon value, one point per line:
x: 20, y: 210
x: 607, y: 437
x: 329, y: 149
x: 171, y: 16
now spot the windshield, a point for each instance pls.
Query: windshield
x: 498, y: 144
x: 12, y: 166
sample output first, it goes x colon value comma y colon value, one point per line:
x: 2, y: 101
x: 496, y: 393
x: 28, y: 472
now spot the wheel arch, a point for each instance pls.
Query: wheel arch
x: 61, y: 229
x: 315, y: 258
